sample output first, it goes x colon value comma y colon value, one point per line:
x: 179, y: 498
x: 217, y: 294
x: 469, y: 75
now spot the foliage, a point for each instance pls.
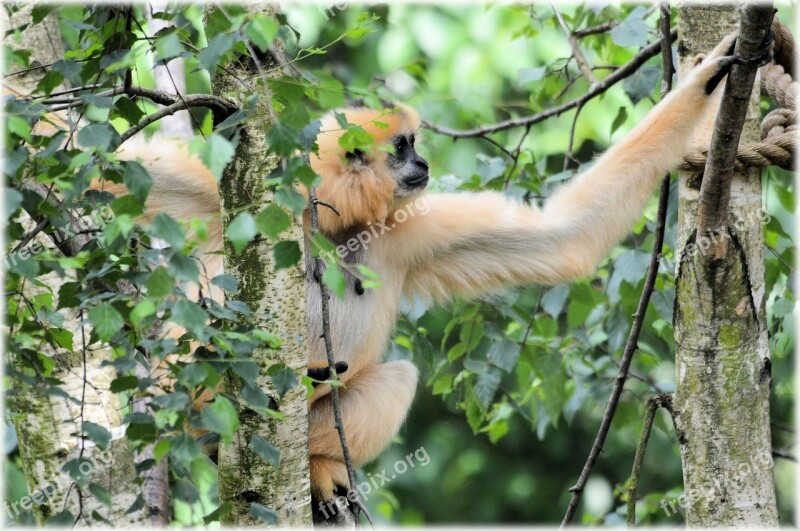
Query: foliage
x: 515, y: 382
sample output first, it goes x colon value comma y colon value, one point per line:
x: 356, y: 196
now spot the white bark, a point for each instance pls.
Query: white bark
x: 722, y: 358
x: 49, y: 427
x: 278, y: 302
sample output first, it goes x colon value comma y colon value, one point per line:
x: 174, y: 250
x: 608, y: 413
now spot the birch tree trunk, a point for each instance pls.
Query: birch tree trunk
x: 50, y: 427
x: 278, y: 302
x: 722, y: 358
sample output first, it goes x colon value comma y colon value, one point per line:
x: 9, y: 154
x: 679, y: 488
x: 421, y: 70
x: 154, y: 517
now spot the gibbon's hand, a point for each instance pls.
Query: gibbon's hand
x: 723, y: 58
x: 323, y: 373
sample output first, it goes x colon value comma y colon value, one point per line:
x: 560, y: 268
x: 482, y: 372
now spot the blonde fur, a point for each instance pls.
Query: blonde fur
x: 462, y: 246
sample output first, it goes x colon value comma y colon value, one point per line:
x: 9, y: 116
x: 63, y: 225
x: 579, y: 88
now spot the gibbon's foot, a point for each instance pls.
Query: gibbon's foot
x: 323, y: 373
x: 327, y: 476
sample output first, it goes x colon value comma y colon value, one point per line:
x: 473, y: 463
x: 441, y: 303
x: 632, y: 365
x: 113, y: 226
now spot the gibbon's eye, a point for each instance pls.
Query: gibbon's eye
x: 400, y: 146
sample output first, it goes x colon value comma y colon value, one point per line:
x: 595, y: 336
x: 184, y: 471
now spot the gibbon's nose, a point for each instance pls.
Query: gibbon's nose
x: 421, y: 163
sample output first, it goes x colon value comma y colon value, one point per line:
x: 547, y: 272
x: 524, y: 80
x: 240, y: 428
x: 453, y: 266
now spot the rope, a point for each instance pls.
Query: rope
x: 779, y: 127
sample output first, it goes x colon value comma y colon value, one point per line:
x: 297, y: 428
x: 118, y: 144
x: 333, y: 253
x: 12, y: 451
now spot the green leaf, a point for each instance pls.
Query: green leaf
x: 282, y: 140
x: 143, y: 309
x: 159, y: 283
x: 272, y: 221
x: 221, y: 417
x: 167, y: 229
x: 287, y: 254
x: 553, y: 300
x: 227, y: 283
x: 265, y: 514
x: 161, y: 449
x: 13, y: 200
x: 102, y: 494
x: 283, y: 378
x: 168, y: 46
x: 106, y: 321
x: 334, y: 279
x: 633, y: 31
x: 504, y: 354
x: 210, y: 55
x: 184, y: 268
x: 124, y: 383
x: 262, y: 31
x: 622, y: 115
x: 49, y: 81
x: 137, y: 180
x: 99, y: 434
x: 291, y: 199
x: 189, y: 315
x: 218, y: 513
x: 98, y: 136
x: 486, y: 386
x: 128, y: 110
x: 641, y: 84
x: 216, y: 152
x: 526, y: 75
x: 241, y: 231
x: 265, y: 450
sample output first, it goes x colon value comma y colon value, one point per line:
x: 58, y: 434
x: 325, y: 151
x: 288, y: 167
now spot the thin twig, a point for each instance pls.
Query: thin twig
x: 783, y: 455
x: 647, y: 426
x: 337, y: 410
x: 621, y: 73
x: 606, y: 26
x: 568, y: 155
x: 583, y: 64
x: 633, y: 338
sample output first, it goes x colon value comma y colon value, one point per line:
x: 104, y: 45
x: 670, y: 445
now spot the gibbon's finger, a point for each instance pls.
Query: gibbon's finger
x: 323, y: 373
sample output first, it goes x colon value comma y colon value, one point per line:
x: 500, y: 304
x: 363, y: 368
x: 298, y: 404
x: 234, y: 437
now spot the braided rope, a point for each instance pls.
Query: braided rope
x: 779, y: 127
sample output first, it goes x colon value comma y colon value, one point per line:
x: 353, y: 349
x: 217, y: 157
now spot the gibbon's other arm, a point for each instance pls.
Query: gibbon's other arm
x: 468, y: 244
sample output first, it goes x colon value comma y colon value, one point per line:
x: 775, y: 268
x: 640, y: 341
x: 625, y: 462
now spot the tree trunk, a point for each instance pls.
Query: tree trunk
x: 278, y: 302
x: 49, y: 427
x: 722, y: 358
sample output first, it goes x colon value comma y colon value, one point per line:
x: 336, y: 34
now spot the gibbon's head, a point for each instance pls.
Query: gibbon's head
x: 366, y: 187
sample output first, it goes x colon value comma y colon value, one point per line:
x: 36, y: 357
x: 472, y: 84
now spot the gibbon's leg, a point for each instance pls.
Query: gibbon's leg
x: 374, y: 404
x: 467, y: 244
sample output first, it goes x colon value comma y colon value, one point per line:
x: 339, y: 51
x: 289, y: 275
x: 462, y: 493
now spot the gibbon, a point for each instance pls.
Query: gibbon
x: 456, y: 245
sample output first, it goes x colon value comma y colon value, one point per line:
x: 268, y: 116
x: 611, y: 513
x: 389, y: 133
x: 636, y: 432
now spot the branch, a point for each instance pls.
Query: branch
x: 337, y: 409
x: 195, y: 100
x: 583, y: 64
x: 633, y: 337
x: 754, y: 26
x: 618, y: 75
x: 606, y: 26
x: 649, y: 415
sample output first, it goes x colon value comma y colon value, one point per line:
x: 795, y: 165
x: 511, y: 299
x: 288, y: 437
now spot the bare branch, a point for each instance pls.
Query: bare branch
x: 754, y: 27
x: 621, y: 73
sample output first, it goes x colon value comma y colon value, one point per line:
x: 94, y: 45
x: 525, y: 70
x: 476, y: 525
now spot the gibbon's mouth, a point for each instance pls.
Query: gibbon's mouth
x: 416, y: 182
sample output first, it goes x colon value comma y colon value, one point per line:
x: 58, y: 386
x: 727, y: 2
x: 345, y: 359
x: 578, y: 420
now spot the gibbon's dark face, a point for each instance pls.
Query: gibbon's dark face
x: 410, y: 170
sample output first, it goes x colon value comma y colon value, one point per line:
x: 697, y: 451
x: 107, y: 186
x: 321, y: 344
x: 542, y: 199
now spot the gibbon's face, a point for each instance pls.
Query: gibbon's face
x: 366, y: 187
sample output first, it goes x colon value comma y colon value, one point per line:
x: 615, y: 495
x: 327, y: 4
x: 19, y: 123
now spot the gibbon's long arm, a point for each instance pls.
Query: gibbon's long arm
x: 478, y: 242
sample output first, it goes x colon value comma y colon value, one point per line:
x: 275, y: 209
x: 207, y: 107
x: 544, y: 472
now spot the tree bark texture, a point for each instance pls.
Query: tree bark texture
x: 278, y: 302
x: 722, y: 358
x: 49, y: 426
